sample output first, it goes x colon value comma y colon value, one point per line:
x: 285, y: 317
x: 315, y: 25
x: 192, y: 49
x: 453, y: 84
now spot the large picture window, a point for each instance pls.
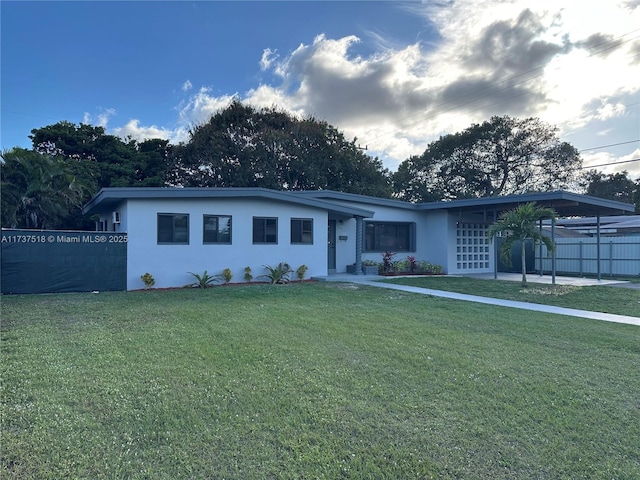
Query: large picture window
x: 265, y: 230
x: 302, y: 231
x: 173, y: 228
x: 216, y: 229
x: 390, y: 236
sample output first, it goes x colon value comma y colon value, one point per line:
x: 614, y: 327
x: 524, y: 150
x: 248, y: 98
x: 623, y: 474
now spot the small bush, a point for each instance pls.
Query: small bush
x: 148, y: 280
x: 203, y: 281
x: 226, y: 275
x: 301, y: 272
x: 247, y: 274
x: 387, y: 262
x: 278, y: 274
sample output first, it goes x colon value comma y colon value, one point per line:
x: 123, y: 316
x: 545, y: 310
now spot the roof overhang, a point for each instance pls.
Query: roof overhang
x: 566, y: 204
x: 107, y: 199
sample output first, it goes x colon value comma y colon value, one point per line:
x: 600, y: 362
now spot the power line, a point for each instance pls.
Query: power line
x: 610, y: 145
x: 610, y: 163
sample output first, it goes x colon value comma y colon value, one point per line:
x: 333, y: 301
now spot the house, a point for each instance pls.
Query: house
x: 173, y: 231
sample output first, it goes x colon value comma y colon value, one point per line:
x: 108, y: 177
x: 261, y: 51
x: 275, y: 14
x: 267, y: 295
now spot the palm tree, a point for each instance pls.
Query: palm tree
x: 38, y: 191
x: 519, y: 225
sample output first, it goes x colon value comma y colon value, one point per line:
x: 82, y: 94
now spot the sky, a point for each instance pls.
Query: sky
x: 393, y: 75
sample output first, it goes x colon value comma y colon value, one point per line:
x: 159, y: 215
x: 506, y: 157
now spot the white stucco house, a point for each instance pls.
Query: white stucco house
x: 173, y: 231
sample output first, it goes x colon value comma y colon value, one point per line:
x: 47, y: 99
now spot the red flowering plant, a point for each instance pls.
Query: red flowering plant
x: 413, y: 264
x: 387, y: 262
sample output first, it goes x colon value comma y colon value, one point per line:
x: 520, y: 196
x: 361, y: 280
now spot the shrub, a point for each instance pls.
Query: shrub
x: 226, y: 275
x: 387, y: 262
x: 247, y: 274
x: 203, y: 281
x: 301, y: 272
x: 413, y: 264
x: 148, y: 280
x: 278, y: 274
x: 430, y: 268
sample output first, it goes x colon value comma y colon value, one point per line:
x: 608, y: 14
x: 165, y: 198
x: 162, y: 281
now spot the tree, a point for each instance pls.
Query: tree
x: 615, y: 186
x: 502, y: 156
x: 245, y: 147
x: 106, y: 159
x: 38, y: 191
x: 520, y: 225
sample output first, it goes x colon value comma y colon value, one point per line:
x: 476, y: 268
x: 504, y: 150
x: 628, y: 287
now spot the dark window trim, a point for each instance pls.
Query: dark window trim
x: 264, y: 240
x: 412, y: 236
x: 173, y: 232
x: 218, y: 216
x: 301, y: 230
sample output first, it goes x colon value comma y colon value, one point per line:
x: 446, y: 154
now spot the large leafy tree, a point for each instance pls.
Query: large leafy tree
x: 519, y: 225
x: 501, y: 156
x: 245, y: 147
x: 107, y: 160
x: 38, y: 191
x: 615, y: 186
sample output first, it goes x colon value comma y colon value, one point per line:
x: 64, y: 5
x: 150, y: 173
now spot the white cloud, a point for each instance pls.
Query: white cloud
x: 133, y: 130
x: 186, y: 86
x: 571, y: 63
x: 101, y: 118
x: 268, y: 57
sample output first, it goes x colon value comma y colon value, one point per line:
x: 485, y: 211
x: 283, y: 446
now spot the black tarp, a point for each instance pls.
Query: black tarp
x: 36, y: 261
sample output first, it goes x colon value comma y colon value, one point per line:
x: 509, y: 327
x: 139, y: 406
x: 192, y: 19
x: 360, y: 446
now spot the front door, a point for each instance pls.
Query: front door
x: 331, y: 247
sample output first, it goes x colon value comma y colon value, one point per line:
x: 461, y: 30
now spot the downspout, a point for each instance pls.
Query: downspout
x: 359, y: 241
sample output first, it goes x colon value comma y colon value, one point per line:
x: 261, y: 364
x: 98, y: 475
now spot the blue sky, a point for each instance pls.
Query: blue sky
x: 396, y: 75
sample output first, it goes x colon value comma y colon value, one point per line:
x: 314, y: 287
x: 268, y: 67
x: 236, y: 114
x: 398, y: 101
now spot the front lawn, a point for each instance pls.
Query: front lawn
x: 311, y: 381
x: 597, y: 298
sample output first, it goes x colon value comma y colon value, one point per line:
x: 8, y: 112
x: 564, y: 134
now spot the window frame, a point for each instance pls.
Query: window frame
x: 205, y: 216
x: 174, y: 217
x: 265, y: 234
x: 376, y: 225
x: 300, y: 231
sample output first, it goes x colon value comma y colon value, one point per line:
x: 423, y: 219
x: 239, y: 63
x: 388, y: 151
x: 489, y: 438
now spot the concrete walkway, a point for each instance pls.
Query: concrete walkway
x: 370, y: 280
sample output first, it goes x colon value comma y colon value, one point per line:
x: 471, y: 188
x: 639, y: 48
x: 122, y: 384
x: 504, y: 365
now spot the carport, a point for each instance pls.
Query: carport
x: 566, y: 204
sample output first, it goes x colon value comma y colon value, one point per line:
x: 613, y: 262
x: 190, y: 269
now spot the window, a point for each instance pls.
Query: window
x: 173, y: 228
x: 216, y: 229
x: 265, y: 230
x: 302, y: 230
x: 390, y: 236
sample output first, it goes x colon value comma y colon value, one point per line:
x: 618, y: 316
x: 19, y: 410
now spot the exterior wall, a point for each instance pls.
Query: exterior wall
x: 346, y: 249
x: 170, y: 264
x: 449, y: 246
x: 438, y: 229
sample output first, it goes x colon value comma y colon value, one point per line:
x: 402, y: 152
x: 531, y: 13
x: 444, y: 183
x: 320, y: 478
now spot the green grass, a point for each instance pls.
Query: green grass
x: 312, y: 381
x: 597, y: 298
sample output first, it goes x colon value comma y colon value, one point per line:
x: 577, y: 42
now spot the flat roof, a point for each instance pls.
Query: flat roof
x: 566, y: 204
x: 107, y: 198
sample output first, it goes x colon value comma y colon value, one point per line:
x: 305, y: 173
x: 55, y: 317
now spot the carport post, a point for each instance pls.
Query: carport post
x: 540, y: 249
x: 495, y: 250
x: 553, y: 255
x: 598, y: 244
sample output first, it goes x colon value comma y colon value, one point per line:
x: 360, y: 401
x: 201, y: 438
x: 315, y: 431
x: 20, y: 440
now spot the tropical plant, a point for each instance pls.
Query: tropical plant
x: 247, y: 274
x: 301, y: 272
x: 203, y: 281
x: 226, y: 275
x: 148, y: 280
x: 278, y: 274
x: 387, y: 262
x: 520, y: 225
x: 413, y: 264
